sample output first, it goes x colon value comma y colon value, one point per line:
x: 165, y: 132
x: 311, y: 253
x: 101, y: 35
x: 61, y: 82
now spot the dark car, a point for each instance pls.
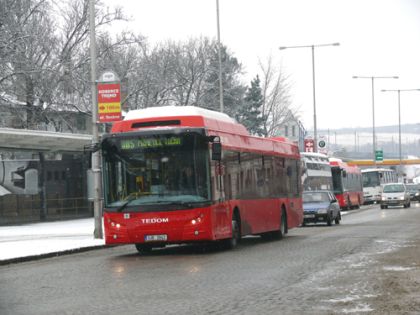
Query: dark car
x: 414, y: 190
x: 320, y: 206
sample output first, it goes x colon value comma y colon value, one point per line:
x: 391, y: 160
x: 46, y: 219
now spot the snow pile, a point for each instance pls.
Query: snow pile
x: 44, y: 238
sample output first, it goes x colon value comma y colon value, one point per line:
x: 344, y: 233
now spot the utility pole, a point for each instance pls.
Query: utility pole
x: 372, y: 78
x: 399, y: 121
x: 97, y: 211
x: 355, y: 141
x: 220, y: 60
x: 313, y: 83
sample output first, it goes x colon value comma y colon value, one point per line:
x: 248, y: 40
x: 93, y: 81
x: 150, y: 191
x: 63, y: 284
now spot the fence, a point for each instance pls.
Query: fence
x: 17, y: 209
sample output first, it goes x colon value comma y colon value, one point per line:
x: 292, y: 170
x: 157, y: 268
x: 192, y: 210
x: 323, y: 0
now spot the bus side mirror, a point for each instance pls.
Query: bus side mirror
x: 344, y: 173
x: 289, y: 171
x: 216, y: 151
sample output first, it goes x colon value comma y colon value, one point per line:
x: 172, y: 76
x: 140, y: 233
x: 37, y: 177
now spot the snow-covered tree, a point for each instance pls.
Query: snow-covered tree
x: 233, y: 90
x: 43, y: 53
x: 250, y: 112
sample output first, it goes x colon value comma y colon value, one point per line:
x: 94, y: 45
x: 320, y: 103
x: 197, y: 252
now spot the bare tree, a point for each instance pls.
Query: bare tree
x: 43, y: 48
x: 44, y: 51
x: 184, y: 74
x: 276, y: 108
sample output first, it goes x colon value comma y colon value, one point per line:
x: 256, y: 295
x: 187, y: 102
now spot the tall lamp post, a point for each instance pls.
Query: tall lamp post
x: 372, y: 78
x: 313, y: 81
x: 399, y: 119
x: 95, y: 133
x: 219, y: 50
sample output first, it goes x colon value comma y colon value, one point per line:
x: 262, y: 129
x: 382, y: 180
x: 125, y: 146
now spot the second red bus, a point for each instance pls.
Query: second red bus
x: 347, y: 184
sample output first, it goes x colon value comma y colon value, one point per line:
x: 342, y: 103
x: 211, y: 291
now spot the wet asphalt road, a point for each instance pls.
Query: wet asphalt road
x: 314, y: 270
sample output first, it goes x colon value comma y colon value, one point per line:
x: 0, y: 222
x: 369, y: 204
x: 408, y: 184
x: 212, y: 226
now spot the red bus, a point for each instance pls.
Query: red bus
x: 347, y: 184
x: 182, y: 174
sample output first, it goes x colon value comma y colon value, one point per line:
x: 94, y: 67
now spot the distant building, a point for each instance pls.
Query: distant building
x: 293, y: 129
x: 15, y: 115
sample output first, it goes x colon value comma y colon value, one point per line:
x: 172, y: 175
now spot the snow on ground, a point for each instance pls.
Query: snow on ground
x: 43, y: 238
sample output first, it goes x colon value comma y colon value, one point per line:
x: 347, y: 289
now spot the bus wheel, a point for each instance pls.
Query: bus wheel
x: 358, y: 203
x: 283, y: 224
x: 232, y: 242
x: 143, y: 248
x: 349, y: 206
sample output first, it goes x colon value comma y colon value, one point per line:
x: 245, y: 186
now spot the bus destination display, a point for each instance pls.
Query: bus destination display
x: 143, y: 143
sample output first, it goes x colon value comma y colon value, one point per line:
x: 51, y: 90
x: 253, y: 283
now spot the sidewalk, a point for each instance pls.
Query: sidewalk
x: 31, y: 241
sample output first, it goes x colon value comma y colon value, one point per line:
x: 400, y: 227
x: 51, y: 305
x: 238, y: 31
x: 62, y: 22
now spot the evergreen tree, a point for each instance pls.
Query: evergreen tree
x: 250, y: 113
x: 233, y: 89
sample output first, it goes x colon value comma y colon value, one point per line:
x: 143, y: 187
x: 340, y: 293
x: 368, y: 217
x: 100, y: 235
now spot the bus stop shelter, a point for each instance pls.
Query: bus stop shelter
x: 38, y: 140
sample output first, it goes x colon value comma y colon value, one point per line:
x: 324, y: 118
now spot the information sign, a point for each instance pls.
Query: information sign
x: 109, y: 102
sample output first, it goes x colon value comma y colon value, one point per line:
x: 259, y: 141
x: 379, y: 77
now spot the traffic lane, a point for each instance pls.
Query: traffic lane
x: 376, y: 213
x: 302, y: 272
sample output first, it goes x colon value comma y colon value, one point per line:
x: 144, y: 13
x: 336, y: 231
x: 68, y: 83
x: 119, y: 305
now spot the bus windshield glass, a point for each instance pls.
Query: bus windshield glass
x: 156, y: 170
x: 371, y: 179
x: 337, y: 180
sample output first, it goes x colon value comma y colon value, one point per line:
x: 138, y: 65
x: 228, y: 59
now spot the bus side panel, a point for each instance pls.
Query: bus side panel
x: 294, y: 213
x: 221, y: 214
x: 259, y: 216
x: 341, y: 200
x: 356, y: 198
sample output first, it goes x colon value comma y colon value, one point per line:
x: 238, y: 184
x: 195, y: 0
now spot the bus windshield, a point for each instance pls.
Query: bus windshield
x: 370, y: 179
x: 156, y: 169
x: 337, y: 180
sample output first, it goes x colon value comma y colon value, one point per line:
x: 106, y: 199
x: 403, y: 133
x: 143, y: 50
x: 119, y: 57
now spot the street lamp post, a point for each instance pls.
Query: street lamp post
x: 95, y: 133
x: 372, y: 78
x: 313, y: 81
x: 219, y: 50
x: 399, y: 119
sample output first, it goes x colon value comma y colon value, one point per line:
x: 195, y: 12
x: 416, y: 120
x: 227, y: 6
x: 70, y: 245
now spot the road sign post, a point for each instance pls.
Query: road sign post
x: 309, y: 145
x: 379, y: 155
x: 109, y: 97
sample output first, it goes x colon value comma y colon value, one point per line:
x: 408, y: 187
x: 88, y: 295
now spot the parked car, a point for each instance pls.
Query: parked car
x: 414, y: 190
x: 395, y: 194
x: 320, y: 206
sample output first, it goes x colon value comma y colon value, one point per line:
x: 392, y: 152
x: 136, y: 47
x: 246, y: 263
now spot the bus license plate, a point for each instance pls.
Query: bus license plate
x: 309, y: 216
x: 154, y: 238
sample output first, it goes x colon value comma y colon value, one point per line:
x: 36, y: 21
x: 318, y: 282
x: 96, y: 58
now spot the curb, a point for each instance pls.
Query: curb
x: 52, y: 254
x: 362, y: 208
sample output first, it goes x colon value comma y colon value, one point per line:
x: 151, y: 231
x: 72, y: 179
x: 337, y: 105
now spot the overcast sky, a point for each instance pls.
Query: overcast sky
x: 377, y: 38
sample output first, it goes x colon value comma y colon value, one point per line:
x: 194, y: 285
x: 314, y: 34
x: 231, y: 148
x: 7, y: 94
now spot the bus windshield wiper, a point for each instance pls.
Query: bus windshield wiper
x: 126, y: 203
x: 177, y: 203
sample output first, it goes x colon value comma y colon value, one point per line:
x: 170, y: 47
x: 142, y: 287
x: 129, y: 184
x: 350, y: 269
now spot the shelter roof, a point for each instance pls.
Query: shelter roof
x: 37, y: 140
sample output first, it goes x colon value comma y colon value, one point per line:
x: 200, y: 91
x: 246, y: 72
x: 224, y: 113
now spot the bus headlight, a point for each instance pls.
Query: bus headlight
x: 115, y: 225
x: 197, y: 220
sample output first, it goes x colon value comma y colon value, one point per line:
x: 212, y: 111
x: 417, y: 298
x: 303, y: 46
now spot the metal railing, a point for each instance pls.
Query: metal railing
x: 16, y: 209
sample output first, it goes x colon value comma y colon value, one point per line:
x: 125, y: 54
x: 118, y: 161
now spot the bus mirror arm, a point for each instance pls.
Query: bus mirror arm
x: 216, y: 151
x: 216, y: 148
x: 92, y: 147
